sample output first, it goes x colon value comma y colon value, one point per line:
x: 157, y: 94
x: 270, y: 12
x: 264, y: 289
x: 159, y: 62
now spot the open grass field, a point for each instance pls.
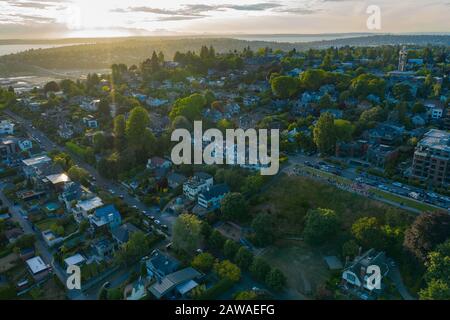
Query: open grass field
x: 290, y: 198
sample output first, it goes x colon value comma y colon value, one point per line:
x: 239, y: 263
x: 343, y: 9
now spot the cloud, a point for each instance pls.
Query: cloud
x: 200, y: 10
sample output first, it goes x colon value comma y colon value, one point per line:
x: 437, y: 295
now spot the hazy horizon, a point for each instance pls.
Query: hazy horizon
x: 54, y: 19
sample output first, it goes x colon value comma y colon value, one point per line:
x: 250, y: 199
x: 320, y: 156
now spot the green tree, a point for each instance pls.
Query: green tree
x: 234, y: 207
x: 259, y: 269
x: 119, y: 132
x: 324, y: 134
x: 284, y: 86
x: 243, y: 258
x: 189, y: 107
x: 276, y: 280
x: 246, y: 295
x: 216, y: 240
x: 368, y: 232
x: 230, y: 249
x: 321, y: 225
x: 203, y: 262
x: 435, y: 290
x: 263, y: 226
x: 187, y: 234
x: 350, y: 249
x: 136, y: 127
x: 344, y: 130
x: 136, y: 247
x: 227, y: 270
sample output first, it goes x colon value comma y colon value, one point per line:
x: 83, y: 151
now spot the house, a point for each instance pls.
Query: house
x: 6, y: 127
x: 57, y: 181
x: 84, y: 208
x: 122, y: 233
x: 50, y: 238
x: 75, y: 260
x: 200, y: 182
x: 435, y: 109
x: 8, y: 149
x: 379, y: 155
x: 157, y: 162
x: 353, y: 149
x: 355, y: 274
x: 38, y: 268
x: 160, y: 265
x: 26, y: 253
x: 136, y: 290
x: 210, y: 199
x: 103, y: 248
x: 90, y: 122
x: 106, y: 216
x: 31, y: 166
x: 170, y: 283
x: 90, y: 106
x: 175, y: 180
x: 385, y: 133
x: 418, y: 120
x: 70, y: 192
x: 25, y: 145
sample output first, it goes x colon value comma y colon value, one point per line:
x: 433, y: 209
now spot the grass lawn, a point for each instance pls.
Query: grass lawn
x: 45, y: 224
x: 407, y: 202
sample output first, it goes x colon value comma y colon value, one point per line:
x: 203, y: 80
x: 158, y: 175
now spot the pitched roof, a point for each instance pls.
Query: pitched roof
x: 123, y: 232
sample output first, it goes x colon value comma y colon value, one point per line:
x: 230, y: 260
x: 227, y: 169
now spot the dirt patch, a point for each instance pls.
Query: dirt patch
x: 8, y: 262
x: 303, y: 266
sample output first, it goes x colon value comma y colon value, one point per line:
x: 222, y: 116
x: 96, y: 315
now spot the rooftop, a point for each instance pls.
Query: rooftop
x: 37, y: 265
x: 436, y: 139
x: 76, y: 259
x: 90, y: 204
x: 215, y: 191
x: 36, y: 160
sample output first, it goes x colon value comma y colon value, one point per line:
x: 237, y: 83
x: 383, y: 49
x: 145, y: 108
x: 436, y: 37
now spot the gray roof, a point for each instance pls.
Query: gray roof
x: 172, y: 280
x: 163, y: 264
x: 215, y: 191
x: 123, y: 232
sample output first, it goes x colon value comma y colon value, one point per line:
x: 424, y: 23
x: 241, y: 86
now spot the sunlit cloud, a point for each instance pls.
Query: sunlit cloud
x: 67, y: 17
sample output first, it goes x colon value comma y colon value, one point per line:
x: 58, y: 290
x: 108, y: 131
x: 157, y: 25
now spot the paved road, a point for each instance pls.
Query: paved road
x: 44, y: 252
x: 101, y: 182
x: 382, y: 184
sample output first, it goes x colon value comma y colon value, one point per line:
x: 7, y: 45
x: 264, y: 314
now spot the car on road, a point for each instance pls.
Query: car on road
x: 397, y: 184
x: 165, y: 227
x: 157, y: 222
x: 152, y: 218
x: 383, y: 187
x: 135, y: 207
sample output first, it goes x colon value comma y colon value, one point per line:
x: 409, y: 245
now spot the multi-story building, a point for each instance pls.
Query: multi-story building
x: 432, y: 158
x: 200, y: 182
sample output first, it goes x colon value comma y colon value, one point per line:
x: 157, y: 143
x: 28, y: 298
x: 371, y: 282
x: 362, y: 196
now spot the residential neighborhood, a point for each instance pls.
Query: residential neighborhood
x: 87, y: 179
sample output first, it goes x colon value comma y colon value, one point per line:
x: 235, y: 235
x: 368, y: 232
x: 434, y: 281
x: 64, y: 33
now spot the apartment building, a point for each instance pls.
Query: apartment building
x: 432, y: 158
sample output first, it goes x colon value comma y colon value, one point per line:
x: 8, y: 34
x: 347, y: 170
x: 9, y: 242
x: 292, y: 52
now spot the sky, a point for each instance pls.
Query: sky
x: 100, y: 18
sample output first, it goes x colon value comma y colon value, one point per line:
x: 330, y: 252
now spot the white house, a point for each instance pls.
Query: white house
x: 435, y: 109
x: 198, y: 183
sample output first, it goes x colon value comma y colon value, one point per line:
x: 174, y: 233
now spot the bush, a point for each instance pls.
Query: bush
x: 217, y: 289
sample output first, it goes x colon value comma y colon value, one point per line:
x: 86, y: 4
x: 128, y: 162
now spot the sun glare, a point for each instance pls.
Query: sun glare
x: 89, y: 15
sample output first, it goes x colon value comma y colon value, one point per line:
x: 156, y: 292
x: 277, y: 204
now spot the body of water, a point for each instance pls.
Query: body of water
x: 15, y: 48
x: 295, y: 38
